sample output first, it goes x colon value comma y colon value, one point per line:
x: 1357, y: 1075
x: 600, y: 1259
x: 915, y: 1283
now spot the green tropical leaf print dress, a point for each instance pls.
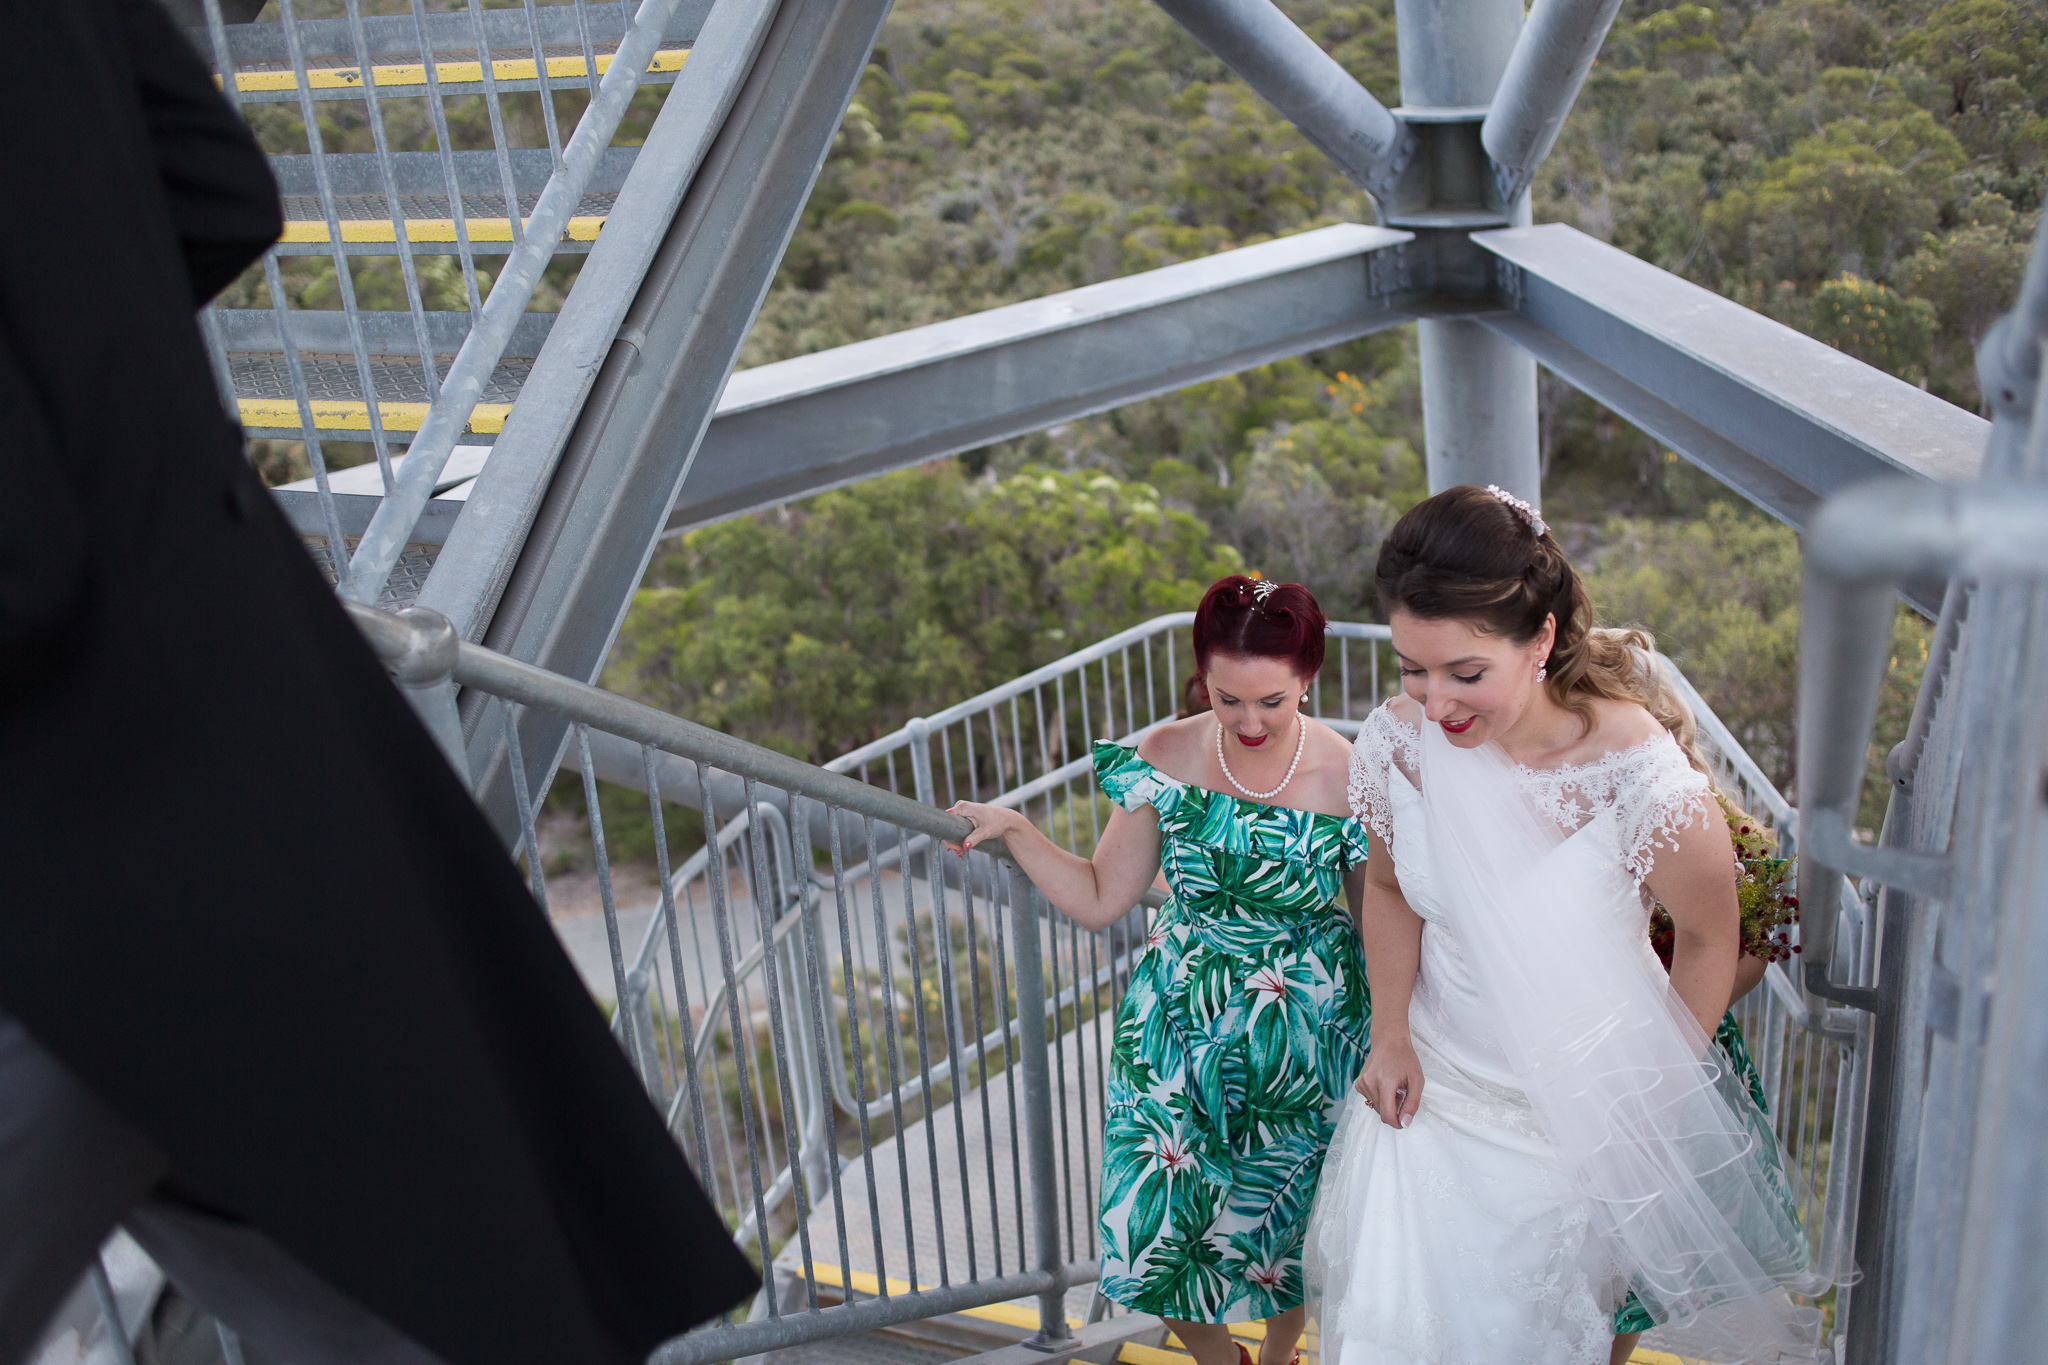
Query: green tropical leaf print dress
x: 1244, y: 1025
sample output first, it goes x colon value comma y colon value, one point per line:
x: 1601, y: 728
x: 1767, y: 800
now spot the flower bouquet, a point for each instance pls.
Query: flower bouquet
x: 1765, y: 887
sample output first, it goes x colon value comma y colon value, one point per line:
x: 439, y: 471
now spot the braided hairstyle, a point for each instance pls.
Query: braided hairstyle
x: 1465, y: 555
x: 1236, y: 618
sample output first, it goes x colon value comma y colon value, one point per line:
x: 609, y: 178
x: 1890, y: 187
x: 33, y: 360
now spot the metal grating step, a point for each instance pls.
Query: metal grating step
x: 365, y: 222
x: 263, y: 394
x: 512, y: 70
x: 408, y: 576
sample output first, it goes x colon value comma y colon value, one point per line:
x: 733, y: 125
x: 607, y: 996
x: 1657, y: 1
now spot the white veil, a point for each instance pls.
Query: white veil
x: 1617, y: 1069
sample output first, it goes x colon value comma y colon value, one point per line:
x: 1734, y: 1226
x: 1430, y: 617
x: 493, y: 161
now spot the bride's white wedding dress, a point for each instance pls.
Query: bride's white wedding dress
x: 1570, y: 1144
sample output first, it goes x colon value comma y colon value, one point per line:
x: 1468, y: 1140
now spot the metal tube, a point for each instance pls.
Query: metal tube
x: 546, y: 84
x: 1478, y: 390
x: 344, y: 278
x: 860, y: 1069
x: 387, y: 171
x: 1037, y: 1100
x: 1549, y: 63
x: 686, y: 1066
x: 766, y: 912
x: 621, y: 1008
x: 438, y: 107
x: 1319, y: 97
x: 1860, y: 547
x: 507, y: 181
x: 536, y: 877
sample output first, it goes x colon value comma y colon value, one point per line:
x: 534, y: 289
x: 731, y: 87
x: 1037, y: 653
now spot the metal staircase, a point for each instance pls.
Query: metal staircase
x: 813, y: 1036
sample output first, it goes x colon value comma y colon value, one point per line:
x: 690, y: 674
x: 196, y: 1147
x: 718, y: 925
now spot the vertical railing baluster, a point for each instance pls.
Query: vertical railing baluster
x: 949, y: 1017
x: 860, y: 1069
x: 438, y: 108
x: 764, y: 912
x: 622, y: 1010
x: 494, y: 109
x: 1034, y: 1047
x: 688, y: 1071
x: 546, y: 82
x: 923, y: 1030
x: 394, y: 204
x: 344, y: 276
x: 721, y: 918
x: 900, y: 1137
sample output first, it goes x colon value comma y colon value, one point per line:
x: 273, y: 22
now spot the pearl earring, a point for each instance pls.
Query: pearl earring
x: 1304, y: 699
x: 1542, y: 672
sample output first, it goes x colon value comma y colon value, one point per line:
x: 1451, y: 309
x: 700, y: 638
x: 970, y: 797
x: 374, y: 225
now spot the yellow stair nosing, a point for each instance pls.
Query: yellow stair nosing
x: 1134, y: 1354
x: 352, y: 414
x: 310, y: 232
x: 865, y: 1282
x: 402, y: 75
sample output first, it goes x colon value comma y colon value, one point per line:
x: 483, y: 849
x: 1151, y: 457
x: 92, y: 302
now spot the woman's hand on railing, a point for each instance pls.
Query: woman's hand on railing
x: 990, y: 822
x: 1094, y: 893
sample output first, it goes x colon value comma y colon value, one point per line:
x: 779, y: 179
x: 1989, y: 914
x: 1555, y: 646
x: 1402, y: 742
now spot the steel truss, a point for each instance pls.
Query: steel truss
x: 630, y: 425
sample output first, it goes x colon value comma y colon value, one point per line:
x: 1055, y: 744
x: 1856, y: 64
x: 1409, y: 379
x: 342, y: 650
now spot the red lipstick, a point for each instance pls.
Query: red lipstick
x: 1458, y: 727
x: 1253, y: 742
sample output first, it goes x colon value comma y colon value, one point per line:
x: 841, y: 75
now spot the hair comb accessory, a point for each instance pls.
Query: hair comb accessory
x: 1263, y: 589
x: 1523, y: 509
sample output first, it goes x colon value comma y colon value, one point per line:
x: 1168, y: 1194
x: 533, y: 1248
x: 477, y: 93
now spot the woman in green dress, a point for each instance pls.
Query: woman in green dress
x: 1247, y: 1014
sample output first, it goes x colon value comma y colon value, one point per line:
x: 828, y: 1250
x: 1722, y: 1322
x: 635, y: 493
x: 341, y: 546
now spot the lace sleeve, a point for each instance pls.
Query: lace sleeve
x: 1383, y: 740
x: 1657, y: 796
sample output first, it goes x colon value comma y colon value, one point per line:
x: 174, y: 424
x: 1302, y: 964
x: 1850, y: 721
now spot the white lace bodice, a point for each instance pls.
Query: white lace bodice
x: 1648, y: 791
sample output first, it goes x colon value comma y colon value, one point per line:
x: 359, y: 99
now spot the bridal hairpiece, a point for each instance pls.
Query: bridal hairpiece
x: 1262, y: 590
x: 1523, y: 509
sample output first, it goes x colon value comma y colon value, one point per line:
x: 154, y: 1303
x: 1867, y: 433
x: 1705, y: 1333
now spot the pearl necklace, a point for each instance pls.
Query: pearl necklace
x: 1300, y: 742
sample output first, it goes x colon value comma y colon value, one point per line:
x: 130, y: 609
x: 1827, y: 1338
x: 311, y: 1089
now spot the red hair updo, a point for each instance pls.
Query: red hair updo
x: 1252, y: 618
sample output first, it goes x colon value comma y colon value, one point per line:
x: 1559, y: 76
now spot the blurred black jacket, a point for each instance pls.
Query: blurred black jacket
x: 242, y: 895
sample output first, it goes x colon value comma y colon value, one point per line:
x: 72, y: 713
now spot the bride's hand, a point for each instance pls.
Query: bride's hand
x: 1392, y: 1081
x: 990, y: 822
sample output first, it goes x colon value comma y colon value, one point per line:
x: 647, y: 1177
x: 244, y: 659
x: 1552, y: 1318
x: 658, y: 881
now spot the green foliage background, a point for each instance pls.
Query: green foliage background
x: 1868, y: 172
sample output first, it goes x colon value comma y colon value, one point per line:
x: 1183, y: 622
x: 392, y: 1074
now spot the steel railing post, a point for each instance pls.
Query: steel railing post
x: 420, y: 648
x: 1036, y: 1061
x: 920, y: 731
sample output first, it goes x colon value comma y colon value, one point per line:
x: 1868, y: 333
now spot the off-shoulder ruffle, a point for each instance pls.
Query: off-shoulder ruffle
x: 1198, y: 815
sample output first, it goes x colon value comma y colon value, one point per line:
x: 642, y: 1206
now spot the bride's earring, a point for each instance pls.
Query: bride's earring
x: 1542, y: 671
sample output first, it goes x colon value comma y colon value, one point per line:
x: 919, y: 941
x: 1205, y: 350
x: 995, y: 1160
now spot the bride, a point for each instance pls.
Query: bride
x: 1541, y: 1131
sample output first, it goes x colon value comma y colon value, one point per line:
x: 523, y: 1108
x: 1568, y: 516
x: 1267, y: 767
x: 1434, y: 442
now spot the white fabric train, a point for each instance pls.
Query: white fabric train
x: 1571, y: 1143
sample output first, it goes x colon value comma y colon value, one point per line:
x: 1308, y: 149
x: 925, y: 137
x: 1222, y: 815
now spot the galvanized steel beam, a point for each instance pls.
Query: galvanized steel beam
x: 1782, y: 418
x: 637, y: 433
x: 815, y: 422
x: 1478, y: 391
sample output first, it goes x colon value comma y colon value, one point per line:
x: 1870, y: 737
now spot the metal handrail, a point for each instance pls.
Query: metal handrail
x: 1059, y: 668
x: 800, y: 1062
x: 415, y: 642
x: 1862, y: 546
